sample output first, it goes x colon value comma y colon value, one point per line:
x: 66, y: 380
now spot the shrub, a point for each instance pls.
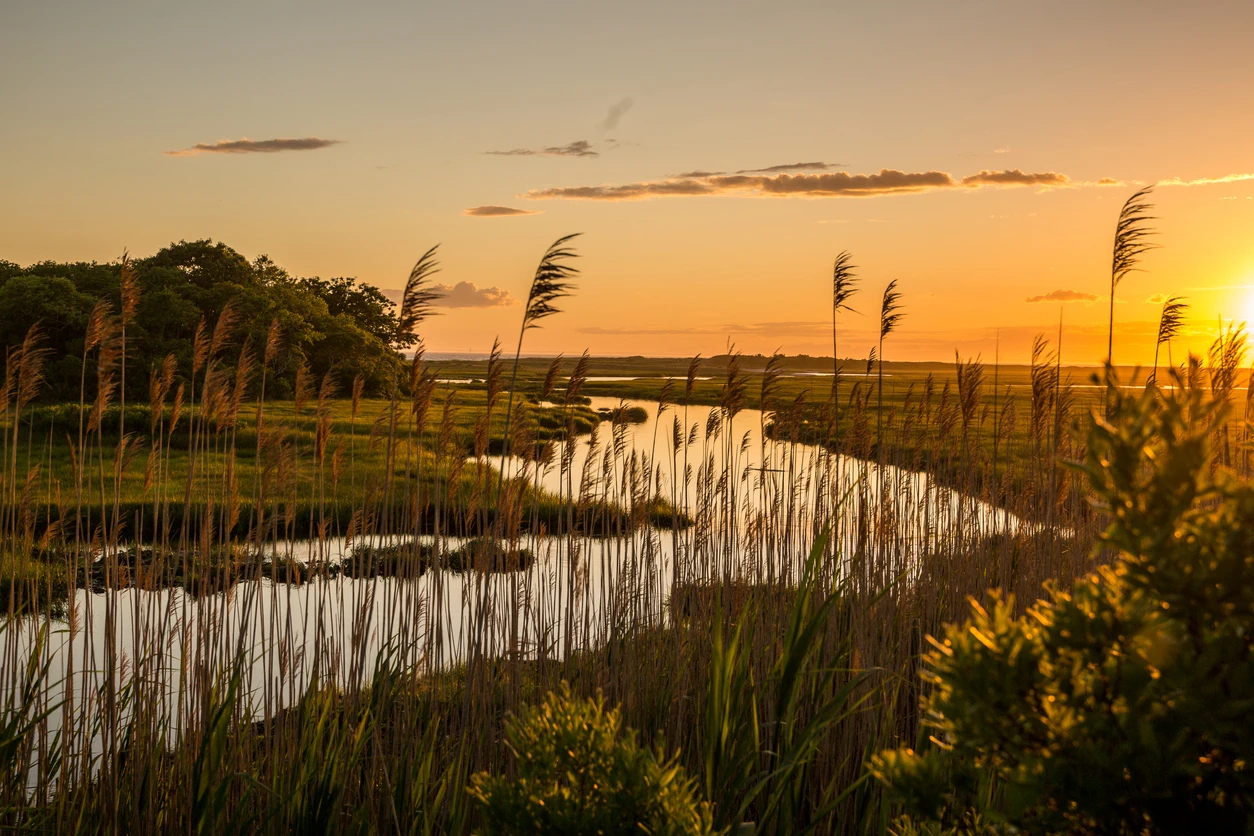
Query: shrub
x: 581, y: 772
x: 1124, y: 705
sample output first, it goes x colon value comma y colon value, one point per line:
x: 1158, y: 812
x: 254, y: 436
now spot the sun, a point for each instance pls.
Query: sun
x: 1245, y: 310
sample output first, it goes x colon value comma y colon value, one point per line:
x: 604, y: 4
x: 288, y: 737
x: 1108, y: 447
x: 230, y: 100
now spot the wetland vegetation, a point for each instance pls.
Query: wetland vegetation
x: 264, y: 571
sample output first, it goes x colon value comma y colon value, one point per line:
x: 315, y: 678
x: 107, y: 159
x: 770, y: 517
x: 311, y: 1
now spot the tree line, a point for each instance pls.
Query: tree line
x: 336, y: 325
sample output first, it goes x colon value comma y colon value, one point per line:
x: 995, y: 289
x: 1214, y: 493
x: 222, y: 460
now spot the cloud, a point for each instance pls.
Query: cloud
x: 497, y: 212
x: 1063, y: 296
x: 1109, y: 181
x: 839, y: 183
x: 887, y: 181
x: 578, y: 148
x: 617, y: 112
x: 775, y: 169
x: 696, y: 174
x: 763, y: 183
x: 629, y: 191
x: 1001, y: 150
x: 770, y: 169
x: 255, y: 146
x: 1015, y: 177
x: 1207, y: 181
x: 467, y: 295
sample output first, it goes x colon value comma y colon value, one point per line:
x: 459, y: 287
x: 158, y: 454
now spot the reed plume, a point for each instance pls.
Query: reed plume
x: 418, y: 297
x: 1131, y: 233
x: 1170, y: 323
x: 890, y: 316
x: 550, y: 378
x: 844, y: 286
x: 554, y: 280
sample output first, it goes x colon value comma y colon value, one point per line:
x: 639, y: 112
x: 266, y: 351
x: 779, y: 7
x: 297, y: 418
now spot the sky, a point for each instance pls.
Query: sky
x: 715, y: 156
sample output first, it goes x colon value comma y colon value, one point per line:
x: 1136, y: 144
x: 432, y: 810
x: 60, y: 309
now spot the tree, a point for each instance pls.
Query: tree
x: 365, y: 304
x: 1122, y: 705
x: 333, y: 326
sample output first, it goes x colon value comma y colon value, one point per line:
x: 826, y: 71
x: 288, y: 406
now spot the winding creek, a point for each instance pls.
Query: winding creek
x: 578, y: 592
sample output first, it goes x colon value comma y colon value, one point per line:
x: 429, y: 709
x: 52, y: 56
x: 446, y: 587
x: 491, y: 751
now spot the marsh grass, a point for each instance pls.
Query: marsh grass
x: 759, y: 610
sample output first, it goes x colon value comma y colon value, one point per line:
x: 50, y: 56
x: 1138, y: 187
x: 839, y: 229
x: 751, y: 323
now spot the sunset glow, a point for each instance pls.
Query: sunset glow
x: 715, y: 158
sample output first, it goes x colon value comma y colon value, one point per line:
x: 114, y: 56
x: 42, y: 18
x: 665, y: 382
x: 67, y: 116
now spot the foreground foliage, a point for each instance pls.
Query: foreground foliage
x: 580, y: 771
x: 1124, y: 704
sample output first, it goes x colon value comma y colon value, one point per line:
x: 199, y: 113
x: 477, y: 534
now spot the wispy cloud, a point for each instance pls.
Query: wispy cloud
x: 1001, y: 150
x: 1063, y: 296
x: 497, y: 212
x: 1207, y: 181
x: 578, y: 148
x: 776, y: 169
x: 616, y: 112
x: 1109, y: 181
x: 255, y: 146
x: 467, y: 295
x: 827, y: 184
x: 770, y: 169
x: 1015, y: 177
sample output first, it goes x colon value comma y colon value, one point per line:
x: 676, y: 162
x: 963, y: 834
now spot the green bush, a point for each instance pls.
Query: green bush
x: 581, y: 772
x: 1127, y: 704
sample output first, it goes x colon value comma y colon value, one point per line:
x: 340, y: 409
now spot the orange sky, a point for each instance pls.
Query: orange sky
x: 405, y: 118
